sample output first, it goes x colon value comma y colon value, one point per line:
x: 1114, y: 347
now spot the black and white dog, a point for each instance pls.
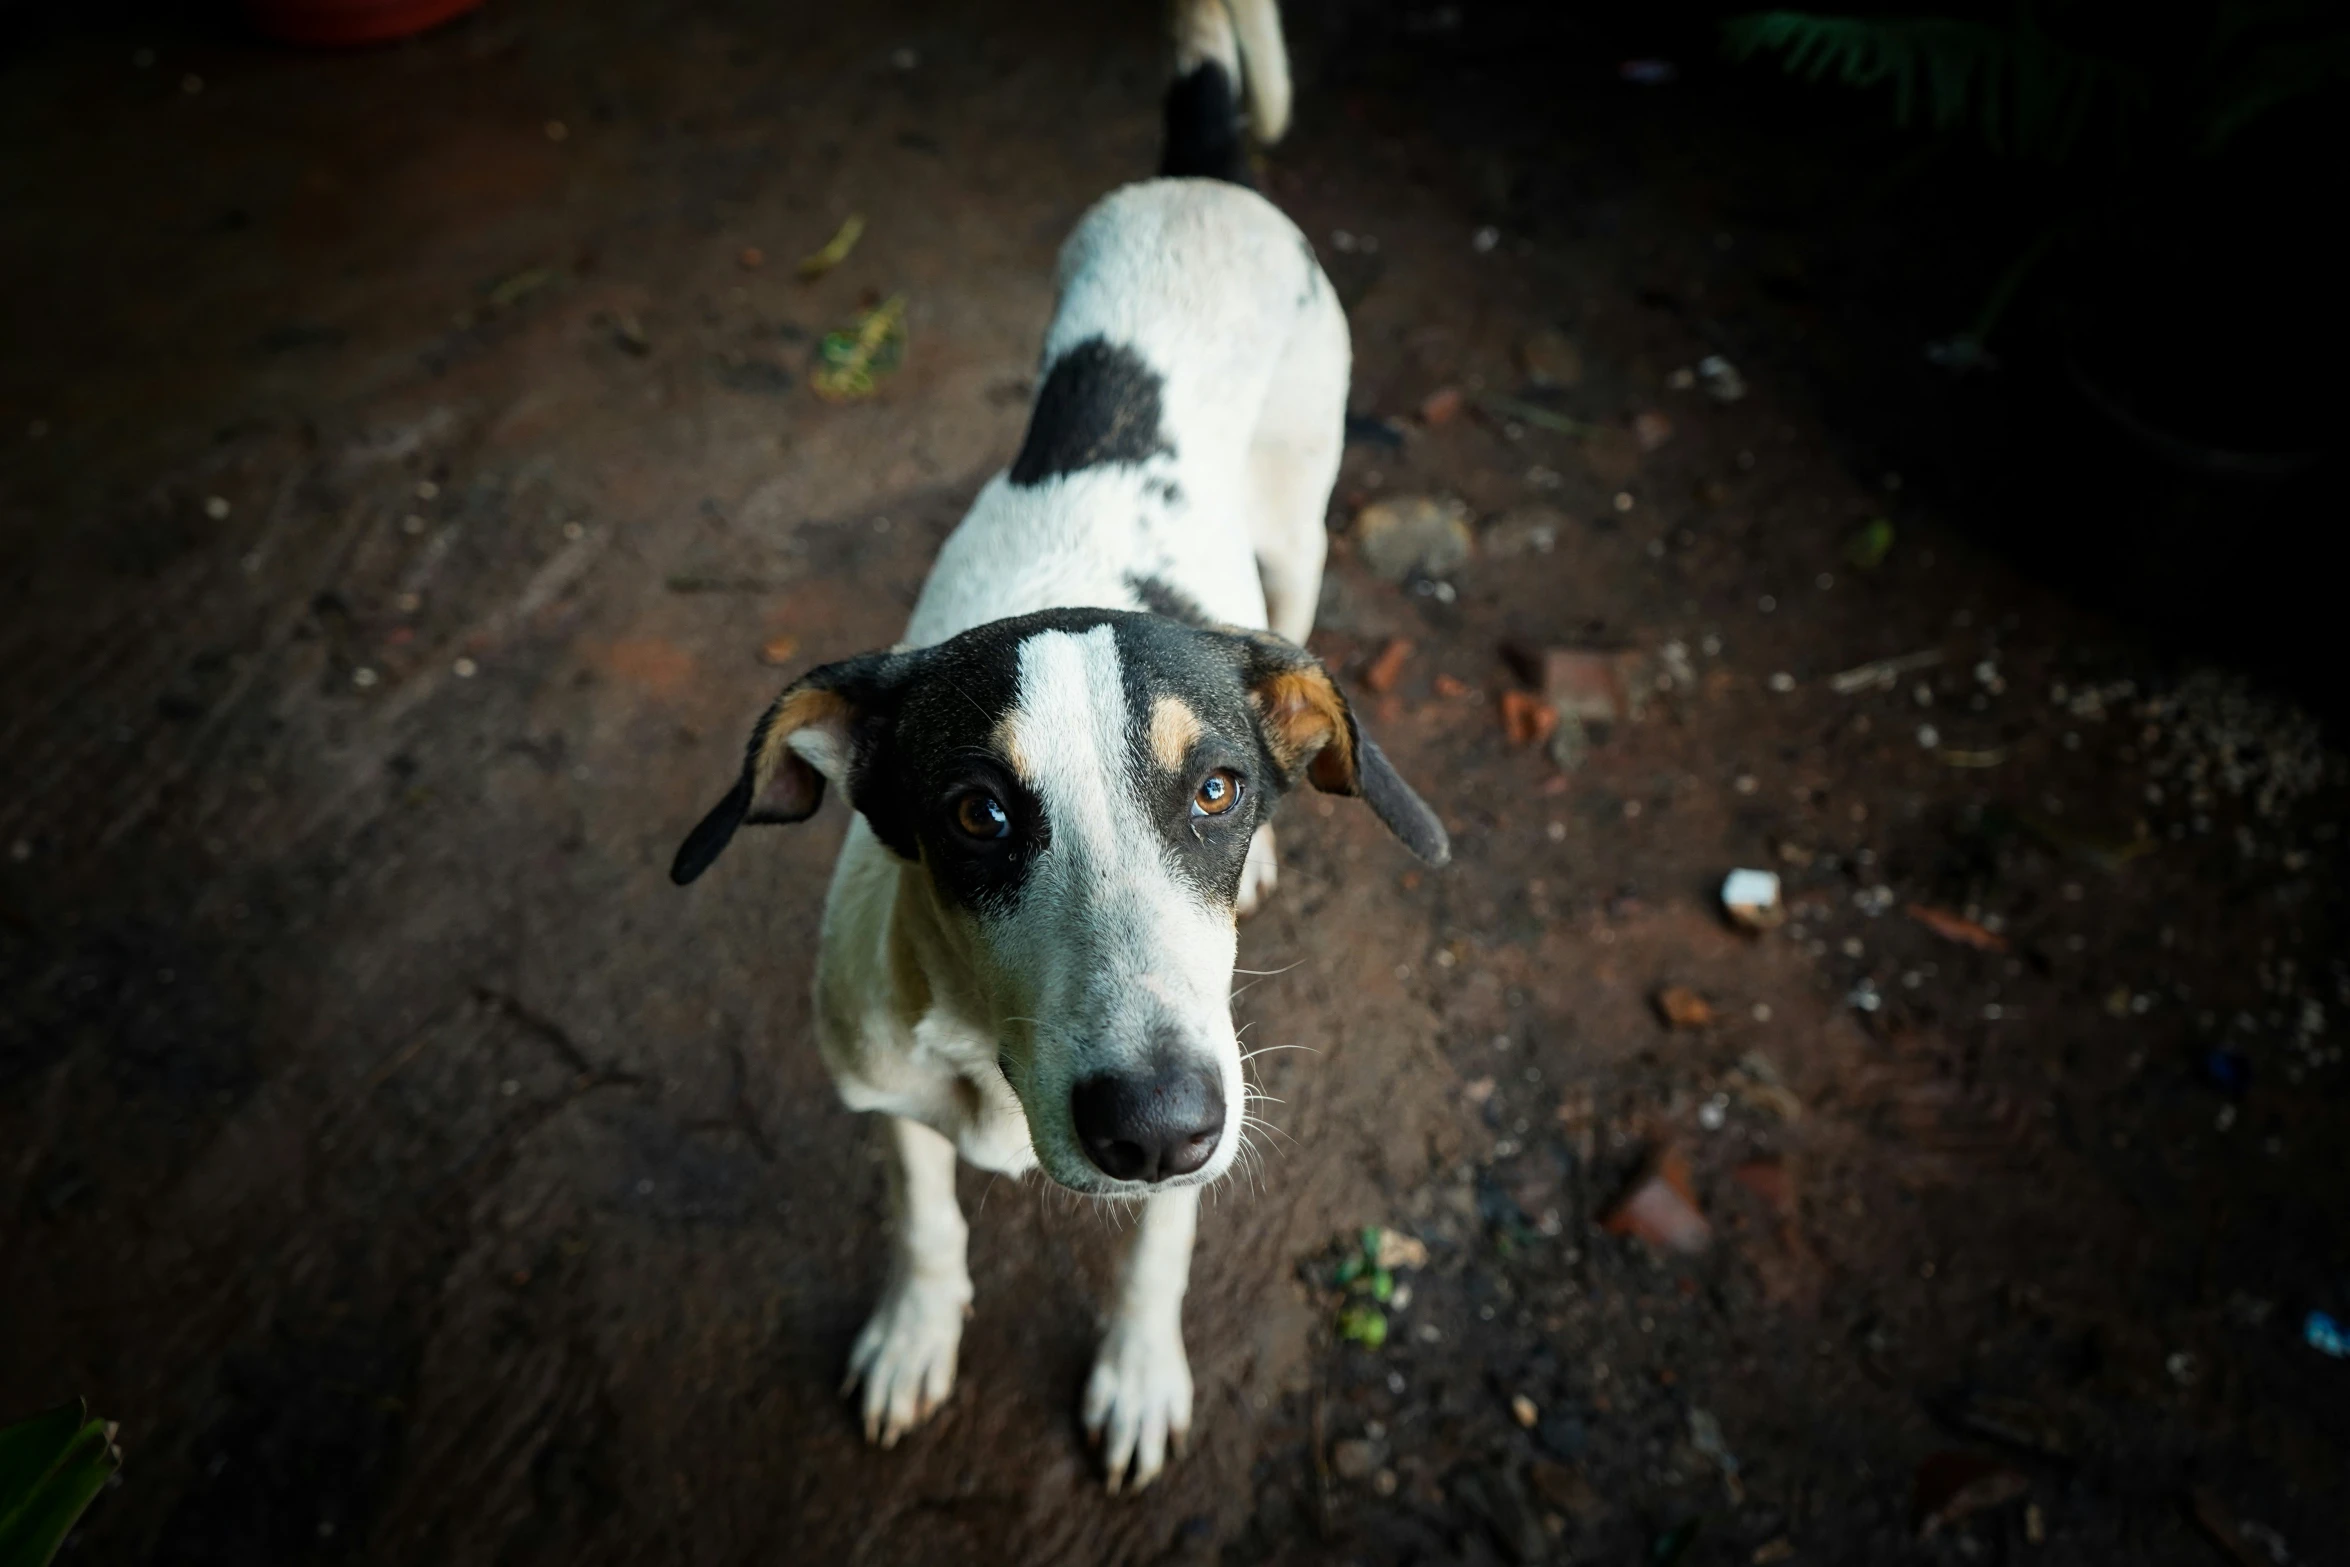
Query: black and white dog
x: 1064, y: 775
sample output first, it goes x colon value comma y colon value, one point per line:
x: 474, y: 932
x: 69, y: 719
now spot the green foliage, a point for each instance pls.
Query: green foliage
x: 2027, y: 93
x: 2031, y: 93
x: 51, y: 1466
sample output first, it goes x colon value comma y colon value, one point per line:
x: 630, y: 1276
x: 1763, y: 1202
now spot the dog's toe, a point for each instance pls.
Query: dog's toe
x: 1138, y: 1402
x: 905, y: 1357
x: 1259, y: 874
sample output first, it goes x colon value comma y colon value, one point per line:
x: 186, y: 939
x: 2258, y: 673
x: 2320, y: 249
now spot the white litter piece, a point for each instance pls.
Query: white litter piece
x: 1751, y: 898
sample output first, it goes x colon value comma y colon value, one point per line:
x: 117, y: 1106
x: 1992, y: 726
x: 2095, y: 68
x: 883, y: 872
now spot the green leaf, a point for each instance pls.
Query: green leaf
x: 1382, y: 1286
x: 1364, y: 1325
x: 1871, y: 545
x: 36, y: 1524
x: 2028, y: 94
x: 30, y: 1449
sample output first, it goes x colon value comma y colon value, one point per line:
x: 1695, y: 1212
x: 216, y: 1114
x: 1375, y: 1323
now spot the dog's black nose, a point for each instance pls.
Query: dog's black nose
x: 1150, y: 1125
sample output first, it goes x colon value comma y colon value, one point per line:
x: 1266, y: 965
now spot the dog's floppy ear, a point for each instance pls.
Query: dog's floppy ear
x: 1309, y: 728
x: 812, y: 733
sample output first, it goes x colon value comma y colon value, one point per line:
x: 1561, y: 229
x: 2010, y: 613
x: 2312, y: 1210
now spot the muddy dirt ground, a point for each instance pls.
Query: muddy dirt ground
x: 403, y: 473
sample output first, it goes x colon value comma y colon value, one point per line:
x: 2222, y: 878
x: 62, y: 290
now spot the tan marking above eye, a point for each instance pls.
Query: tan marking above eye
x: 1218, y: 792
x: 1007, y: 745
x: 1175, y: 729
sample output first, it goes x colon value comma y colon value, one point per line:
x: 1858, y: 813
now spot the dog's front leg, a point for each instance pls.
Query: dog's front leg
x: 906, y: 1356
x: 1138, y: 1402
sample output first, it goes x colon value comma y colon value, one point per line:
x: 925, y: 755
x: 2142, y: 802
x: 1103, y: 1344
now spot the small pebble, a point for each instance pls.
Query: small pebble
x: 216, y: 507
x: 363, y: 677
x: 1782, y: 681
x: 465, y: 669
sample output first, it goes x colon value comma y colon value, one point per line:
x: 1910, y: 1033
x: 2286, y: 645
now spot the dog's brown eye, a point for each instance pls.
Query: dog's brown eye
x: 1218, y: 792
x: 982, y: 816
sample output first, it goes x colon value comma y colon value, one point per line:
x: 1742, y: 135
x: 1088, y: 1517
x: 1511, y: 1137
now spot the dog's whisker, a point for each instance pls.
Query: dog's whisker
x: 1270, y: 973
x: 1268, y: 1049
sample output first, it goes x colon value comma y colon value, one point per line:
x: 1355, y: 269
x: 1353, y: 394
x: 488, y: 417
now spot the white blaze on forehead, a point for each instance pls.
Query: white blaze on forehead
x: 1105, y: 887
x: 1070, y: 730
x: 1111, y: 946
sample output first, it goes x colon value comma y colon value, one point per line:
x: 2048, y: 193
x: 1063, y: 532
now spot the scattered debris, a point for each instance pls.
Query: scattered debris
x: 2325, y: 1333
x: 1394, y: 1249
x: 2243, y: 1541
x: 2013, y: 1422
x: 779, y: 650
x: 1751, y: 899
x: 1661, y: 1209
x: 1881, y: 674
x: 1956, y: 927
x: 1869, y: 547
x: 1534, y: 414
x: 752, y: 258
x: 1586, y: 686
x: 1564, y: 1487
x: 1526, y: 718
x: 1526, y: 530
x: 1682, y: 1007
x: 1355, y: 1458
x: 1550, y: 359
x: 1522, y: 1410
x: 1413, y: 535
x: 628, y: 334
x: 1955, y: 1485
x: 1705, y: 1434
x: 850, y: 364
x: 1449, y: 688
x: 1651, y: 429
x: 1721, y: 379
x: 1381, y: 674
x: 1758, y: 1085
x: 1441, y: 406
x: 513, y: 290
x: 835, y: 250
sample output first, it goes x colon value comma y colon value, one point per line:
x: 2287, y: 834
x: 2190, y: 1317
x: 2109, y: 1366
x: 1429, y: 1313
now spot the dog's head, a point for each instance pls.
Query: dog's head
x: 1079, y: 788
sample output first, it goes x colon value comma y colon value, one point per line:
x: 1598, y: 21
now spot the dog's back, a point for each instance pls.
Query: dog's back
x: 1186, y: 430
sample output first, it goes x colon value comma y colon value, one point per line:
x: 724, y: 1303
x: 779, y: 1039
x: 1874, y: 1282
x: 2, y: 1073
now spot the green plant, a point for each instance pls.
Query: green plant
x: 2027, y: 93
x: 2081, y: 93
x: 51, y: 1466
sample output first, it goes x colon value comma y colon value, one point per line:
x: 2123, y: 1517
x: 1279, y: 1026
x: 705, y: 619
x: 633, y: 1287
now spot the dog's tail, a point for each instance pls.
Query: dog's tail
x: 1221, y: 45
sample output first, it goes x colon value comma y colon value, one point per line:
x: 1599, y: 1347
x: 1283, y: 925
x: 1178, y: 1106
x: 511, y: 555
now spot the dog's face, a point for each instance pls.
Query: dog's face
x: 1079, y: 788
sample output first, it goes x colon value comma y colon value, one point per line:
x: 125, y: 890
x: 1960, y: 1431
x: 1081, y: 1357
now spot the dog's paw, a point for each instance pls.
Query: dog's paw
x: 905, y: 1358
x: 1138, y: 1401
x: 1259, y: 875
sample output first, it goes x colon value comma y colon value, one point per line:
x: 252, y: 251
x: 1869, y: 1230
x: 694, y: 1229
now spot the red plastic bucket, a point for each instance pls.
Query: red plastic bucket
x: 340, y: 23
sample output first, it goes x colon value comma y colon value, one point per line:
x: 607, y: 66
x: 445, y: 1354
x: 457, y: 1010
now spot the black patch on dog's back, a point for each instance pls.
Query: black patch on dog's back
x: 1162, y: 597
x: 1100, y: 404
x: 1203, y: 128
